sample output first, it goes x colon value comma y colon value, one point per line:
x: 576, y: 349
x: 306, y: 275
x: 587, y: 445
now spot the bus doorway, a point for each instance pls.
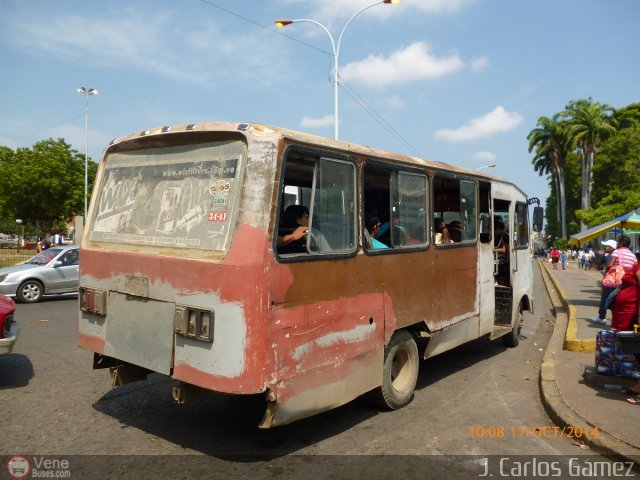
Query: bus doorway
x: 502, y: 266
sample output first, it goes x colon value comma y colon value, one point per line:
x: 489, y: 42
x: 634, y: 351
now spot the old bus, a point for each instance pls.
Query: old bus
x: 183, y: 270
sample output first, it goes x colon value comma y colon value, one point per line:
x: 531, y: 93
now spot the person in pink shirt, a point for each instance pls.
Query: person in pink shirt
x: 622, y: 255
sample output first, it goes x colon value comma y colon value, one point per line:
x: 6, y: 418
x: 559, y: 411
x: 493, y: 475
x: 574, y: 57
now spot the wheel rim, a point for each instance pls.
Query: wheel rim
x: 31, y: 291
x: 401, y: 369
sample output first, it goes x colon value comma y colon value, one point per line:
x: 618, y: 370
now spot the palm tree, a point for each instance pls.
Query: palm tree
x: 590, y: 124
x: 551, y: 142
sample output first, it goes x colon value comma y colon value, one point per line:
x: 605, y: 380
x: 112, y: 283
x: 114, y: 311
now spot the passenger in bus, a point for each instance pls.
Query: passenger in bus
x: 442, y: 232
x: 292, y: 234
x: 455, y: 231
x: 399, y: 233
x: 501, y: 248
x: 372, y: 226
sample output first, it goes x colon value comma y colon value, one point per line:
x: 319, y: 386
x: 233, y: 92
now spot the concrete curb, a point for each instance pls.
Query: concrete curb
x: 571, y: 342
x: 553, y: 401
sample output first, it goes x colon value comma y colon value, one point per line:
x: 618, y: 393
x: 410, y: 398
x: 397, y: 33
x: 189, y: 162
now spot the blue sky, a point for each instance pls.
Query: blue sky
x: 459, y: 81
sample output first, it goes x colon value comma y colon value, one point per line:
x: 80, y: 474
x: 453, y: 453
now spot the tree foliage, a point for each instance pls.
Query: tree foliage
x: 598, y: 187
x: 42, y: 185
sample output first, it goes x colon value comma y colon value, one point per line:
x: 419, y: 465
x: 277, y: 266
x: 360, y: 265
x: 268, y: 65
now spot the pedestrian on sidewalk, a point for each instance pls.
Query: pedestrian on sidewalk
x: 626, y: 307
x: 588, y: 258
x: 622, y: 254
x: 580, y: 259
x: 555, y: 257
x: 563, y: 259
x: 609, y: 246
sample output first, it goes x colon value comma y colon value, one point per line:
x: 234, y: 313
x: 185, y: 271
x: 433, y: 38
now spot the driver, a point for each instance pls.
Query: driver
x: 292, y: 234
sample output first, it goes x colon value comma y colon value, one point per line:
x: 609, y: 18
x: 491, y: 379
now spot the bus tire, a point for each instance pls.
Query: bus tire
x: 512, y: 339
x: 30, y: 291
x: 399, y: 372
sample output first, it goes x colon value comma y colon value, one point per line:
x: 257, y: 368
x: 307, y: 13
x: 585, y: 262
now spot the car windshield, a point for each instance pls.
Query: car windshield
x: 44, y: 257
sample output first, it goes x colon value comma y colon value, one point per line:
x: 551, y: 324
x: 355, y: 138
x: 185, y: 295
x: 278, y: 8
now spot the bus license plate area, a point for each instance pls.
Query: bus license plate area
x: 140, y: 331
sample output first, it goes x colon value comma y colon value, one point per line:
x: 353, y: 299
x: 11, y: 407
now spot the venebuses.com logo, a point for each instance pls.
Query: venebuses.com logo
x: 38, y: 467
x: 18, y: 467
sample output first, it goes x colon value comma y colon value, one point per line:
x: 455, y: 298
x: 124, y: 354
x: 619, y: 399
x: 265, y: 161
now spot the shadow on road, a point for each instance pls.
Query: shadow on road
x: 222, y: 425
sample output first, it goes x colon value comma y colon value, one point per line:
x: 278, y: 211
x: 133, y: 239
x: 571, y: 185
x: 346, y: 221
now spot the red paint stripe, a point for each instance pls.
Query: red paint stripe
x: 91, y: 342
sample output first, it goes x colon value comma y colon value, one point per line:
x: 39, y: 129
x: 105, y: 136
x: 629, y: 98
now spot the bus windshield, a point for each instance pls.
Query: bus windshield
x: 182, y: 196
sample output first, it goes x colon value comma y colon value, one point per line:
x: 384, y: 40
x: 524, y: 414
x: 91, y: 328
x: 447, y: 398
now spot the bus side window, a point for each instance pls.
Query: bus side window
x: 377, y: 203
x: 332, y: 225
x: 454, y: 201
x: 400, y: 201
x: 522, y: 223
x: 325, y: 188
x: 409, y: 219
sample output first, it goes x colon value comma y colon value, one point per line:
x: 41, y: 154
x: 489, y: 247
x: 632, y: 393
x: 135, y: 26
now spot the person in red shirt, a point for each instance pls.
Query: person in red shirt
x: 555, y: 257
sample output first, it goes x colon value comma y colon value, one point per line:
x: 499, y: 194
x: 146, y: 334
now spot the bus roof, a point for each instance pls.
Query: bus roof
x: 258, y: 130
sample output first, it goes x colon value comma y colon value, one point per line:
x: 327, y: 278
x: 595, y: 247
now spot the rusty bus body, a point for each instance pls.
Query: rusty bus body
x: 181, y: 273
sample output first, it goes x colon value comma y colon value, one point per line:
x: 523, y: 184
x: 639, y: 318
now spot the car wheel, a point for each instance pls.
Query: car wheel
x: 30, y: 291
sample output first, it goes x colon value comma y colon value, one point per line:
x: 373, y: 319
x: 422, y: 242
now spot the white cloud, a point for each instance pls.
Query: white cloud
x: 484, y: 156
x: 309, y: 122
x: 394, y: 101
x: 440, y: 6
x: 496, y: 121
x: 413, y: 63
x: 479, y: 64
x: 153, y: 41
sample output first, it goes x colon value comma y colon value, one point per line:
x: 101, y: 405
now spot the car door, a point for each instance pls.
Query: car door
x: 67, y: 273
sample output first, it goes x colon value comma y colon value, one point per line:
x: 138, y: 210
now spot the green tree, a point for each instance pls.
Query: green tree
x: 551, y: 142
x: 616, y: 177
x: 628, y: 116
x: 591, y: 123
x: 43, y: 184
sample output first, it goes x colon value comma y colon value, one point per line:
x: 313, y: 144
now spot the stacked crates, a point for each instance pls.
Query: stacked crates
x: 610, y: 360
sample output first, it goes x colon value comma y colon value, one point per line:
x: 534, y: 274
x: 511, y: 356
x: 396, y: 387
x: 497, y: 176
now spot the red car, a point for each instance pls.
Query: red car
x: 8, y: 328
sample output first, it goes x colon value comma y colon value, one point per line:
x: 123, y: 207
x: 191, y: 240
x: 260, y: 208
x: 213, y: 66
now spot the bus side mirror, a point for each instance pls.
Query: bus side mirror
x: 538, y: 218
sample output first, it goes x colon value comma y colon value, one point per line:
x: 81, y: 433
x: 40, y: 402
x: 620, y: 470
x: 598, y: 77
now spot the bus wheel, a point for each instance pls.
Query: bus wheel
x: 512, y: 339
x: 399, y: 372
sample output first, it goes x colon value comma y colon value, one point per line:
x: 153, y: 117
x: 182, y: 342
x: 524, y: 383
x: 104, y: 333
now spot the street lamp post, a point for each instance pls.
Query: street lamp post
x: 86, y: 92
x: 19, y: 222
x: 491, y: 165
x: 280, y: 23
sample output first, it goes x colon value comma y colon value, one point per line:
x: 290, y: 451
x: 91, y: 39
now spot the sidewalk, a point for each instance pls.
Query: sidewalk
x: 571, y: 395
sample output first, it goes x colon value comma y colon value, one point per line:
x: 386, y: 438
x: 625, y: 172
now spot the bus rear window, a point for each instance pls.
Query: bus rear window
x: 182, y: 196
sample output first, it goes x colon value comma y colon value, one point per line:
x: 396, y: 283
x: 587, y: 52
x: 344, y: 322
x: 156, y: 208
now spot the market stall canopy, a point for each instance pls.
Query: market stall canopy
x: 626, y: 221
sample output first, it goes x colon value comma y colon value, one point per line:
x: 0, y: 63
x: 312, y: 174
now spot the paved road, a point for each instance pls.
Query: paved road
x: 480, y: 399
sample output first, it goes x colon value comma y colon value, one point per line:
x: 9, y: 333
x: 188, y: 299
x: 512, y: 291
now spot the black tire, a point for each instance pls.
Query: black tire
x: 30, y: 291
x: 512, y: 339
x: 399, y: 372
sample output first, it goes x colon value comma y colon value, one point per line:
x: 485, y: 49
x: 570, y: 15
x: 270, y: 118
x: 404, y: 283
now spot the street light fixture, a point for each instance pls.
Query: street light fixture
x: 19, y: 222
x: 283, y: 22
x: 86, y: 92
x: 491, y: 165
